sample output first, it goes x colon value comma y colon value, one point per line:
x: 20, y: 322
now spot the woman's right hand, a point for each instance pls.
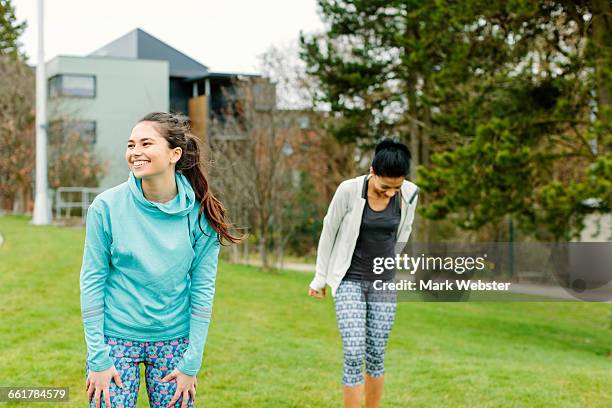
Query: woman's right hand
x: 99, y: 383
x: 319, y: 294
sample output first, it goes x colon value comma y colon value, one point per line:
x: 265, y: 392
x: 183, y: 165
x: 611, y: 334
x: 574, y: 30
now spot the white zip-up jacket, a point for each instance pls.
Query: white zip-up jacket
x: 341, y: 228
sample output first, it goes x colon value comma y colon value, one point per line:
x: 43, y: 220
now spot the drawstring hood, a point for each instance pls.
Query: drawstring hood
x: 181, y: 205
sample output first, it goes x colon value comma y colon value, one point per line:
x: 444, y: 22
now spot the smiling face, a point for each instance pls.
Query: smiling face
x: 148, y: 153
x: 386, y: 185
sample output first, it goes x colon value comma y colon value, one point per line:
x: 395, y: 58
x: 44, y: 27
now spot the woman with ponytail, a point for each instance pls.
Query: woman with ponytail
x: 149, y: 270
x: 370, y: 217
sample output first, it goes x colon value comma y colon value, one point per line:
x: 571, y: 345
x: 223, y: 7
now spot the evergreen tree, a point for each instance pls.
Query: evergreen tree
x: 505, y: 104
x: 10, y: 30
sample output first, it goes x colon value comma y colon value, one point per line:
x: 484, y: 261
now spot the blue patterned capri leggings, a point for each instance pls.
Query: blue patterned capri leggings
x: 365, y: 317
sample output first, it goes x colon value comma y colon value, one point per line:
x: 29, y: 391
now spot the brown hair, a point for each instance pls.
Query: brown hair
x: 177, y: 132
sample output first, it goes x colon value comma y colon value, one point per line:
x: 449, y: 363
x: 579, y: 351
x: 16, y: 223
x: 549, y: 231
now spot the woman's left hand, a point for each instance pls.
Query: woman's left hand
x: 185, y: 386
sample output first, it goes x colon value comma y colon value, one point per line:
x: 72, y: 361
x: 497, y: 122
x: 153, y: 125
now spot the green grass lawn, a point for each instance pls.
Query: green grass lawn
x: 270, y: 345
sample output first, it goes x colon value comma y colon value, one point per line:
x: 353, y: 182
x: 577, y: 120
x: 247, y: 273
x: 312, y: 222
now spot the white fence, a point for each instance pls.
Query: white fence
x: 87, y: 194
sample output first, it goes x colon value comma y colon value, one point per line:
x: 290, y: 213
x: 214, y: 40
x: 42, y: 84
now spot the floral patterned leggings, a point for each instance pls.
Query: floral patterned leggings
x: 160, y: 358
x: 365, y: 317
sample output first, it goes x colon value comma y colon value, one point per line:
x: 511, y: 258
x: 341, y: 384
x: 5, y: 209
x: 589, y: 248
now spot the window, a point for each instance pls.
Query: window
x: 82, y: 86
x: 59, y: 130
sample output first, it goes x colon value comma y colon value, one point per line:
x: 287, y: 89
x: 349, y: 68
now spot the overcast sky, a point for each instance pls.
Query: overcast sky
x: 225, y: 35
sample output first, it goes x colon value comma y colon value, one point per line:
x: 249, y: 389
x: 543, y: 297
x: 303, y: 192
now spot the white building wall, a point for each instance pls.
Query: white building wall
x: 126, y: 89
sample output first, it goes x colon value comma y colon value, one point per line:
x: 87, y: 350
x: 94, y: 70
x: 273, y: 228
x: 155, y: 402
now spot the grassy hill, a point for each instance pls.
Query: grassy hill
x: 270, y: 345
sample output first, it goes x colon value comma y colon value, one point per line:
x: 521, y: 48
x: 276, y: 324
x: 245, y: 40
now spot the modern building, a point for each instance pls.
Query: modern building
x: 103, y: 94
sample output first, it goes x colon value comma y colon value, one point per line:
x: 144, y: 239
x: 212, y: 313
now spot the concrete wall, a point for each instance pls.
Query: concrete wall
x: 126, y: 89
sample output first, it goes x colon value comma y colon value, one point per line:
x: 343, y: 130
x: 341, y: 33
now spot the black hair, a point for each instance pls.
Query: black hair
x: 391, y: 159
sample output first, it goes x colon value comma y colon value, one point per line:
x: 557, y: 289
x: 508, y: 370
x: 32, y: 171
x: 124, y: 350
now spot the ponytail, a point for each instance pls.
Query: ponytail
x: 213, y: 209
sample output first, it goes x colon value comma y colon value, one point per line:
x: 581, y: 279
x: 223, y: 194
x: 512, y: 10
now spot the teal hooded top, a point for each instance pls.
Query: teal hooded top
x: 148, y: 272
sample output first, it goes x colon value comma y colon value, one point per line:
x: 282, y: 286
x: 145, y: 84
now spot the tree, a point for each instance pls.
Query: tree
x: 494, y: 98
x: 10, y: 31
x: 71, y: 161
x: 283, y: 66
x: 17, y: 147
x: 16, y: 115
x: 385, y: 67
x: 248, y: 156
x: 531, y: 142
x: 272, y: 161
x: 327, y: 161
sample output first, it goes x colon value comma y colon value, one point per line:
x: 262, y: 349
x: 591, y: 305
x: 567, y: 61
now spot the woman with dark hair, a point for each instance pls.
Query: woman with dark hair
x: 369, y: 217
x: 149, y: 270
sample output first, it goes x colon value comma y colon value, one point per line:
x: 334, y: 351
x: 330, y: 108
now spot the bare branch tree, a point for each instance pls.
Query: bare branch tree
x: 247, y: 149
x: 17, y: 148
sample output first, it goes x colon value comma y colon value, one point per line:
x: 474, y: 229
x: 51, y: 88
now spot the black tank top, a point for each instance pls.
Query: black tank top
x: 377, y: 238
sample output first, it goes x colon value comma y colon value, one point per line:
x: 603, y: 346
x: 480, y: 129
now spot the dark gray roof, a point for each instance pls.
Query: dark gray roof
x: 142, y: 45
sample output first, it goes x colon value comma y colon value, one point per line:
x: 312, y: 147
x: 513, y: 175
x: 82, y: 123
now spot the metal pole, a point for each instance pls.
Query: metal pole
x: 42, y: 209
